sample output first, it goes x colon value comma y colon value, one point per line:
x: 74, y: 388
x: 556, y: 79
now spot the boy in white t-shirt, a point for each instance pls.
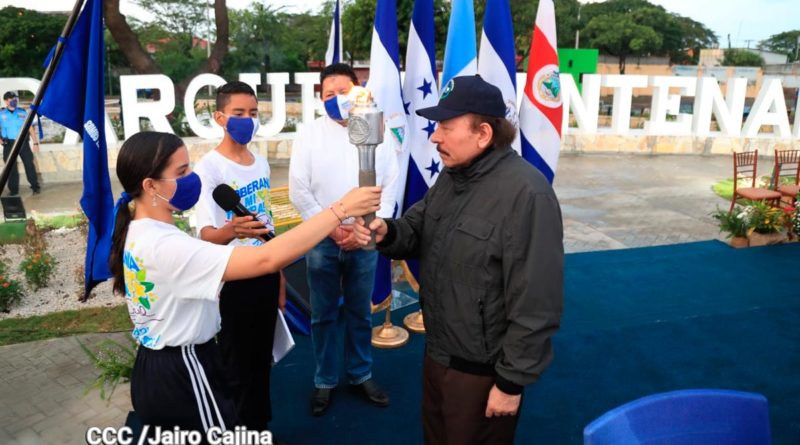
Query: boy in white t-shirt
x: 249, y: 313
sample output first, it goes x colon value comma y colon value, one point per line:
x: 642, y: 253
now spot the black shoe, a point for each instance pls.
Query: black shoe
x: 372, y: 392
x: 37, y: 191
x: 320, y: 401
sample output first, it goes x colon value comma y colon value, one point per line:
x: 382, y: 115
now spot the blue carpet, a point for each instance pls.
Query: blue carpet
x: 636, y: 322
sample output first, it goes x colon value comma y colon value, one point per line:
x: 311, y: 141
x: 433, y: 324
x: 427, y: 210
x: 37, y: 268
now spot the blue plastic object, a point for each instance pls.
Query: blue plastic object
x: 686, y: 417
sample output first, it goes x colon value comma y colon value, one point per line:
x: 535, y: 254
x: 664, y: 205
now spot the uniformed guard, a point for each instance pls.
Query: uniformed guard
x: 11, y: 120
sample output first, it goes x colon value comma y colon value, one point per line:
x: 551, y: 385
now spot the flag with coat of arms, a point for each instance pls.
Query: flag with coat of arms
x: 420, y: 91
x: 460, y: 54
x: 540, y: 114
x: 497, y: 59
x: 384, y: 84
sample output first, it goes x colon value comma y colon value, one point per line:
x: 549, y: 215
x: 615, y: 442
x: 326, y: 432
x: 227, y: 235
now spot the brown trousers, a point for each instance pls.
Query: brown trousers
x: 454, y: 409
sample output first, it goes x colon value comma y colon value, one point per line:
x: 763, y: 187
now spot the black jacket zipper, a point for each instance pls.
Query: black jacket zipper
x: 483, y: 328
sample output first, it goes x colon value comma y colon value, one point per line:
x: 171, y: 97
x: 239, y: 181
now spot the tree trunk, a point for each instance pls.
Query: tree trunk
x: 218, y: 53
x: 140, y: 60
x: 128, y: 42
x: 622, y: 64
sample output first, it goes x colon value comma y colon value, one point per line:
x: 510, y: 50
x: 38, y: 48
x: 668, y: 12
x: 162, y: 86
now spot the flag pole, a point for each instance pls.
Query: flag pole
x: 11, y: 162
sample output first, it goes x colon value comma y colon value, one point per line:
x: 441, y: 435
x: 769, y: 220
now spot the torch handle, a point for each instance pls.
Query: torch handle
x: 366, y: 178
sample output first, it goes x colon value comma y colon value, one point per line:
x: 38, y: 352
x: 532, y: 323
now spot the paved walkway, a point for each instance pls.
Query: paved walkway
x: 608, y: 202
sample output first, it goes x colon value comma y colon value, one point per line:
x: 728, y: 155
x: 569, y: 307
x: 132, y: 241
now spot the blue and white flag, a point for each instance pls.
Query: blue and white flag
x: 420, y: 91
x: 74, y: 98
x: 384, y: 83
x: 460, y: 53
x: 334, y: 52
x: 497, y: 62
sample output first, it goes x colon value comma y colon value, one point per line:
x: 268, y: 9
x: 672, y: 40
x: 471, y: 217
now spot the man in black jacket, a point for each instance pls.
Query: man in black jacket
x: 489, y: 239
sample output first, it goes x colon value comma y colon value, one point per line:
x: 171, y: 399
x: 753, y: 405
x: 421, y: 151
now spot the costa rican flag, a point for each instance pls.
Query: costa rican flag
x: 540, y: 112
x: 497, y: 60
x: 384, y: 83
x: 334, y: 52
x: 460, y: 54
x: 420, y: 91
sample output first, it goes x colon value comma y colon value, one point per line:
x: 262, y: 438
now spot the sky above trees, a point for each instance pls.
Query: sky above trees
x: 744, y: 20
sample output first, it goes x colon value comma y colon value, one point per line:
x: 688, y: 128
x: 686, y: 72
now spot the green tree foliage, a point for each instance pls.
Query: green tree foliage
x: 742, y: 57
x: 679, y: 38
x: 695, y: 36
x: 173, y: 33
x: 785, y: 43
x: 184, y: 18
x: 184, y: 22
x: 266, y: 39
x: 358, y: 18
x: 523, y: 18
x: 25, y: 40
x: 620, y: 35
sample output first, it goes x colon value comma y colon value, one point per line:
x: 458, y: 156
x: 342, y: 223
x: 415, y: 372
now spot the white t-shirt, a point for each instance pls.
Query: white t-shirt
x: 251, y: 182
x: 324, y: 167
x: 172, y: 283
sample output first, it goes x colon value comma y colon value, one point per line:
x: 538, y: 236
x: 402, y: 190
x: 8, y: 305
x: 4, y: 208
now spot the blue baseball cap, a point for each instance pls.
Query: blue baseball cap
x: 466, y: 94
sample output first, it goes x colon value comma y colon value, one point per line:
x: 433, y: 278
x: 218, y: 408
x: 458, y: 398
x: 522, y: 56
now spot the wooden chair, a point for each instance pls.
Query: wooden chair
x: 745, y: 167
x: 787, y: 166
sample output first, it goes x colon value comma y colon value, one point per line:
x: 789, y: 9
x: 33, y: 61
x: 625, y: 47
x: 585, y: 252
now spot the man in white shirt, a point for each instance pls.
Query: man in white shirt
x: 248, y: 307
x: 324, y: 165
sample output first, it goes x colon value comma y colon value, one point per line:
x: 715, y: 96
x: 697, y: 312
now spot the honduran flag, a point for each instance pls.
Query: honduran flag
x: 334, y: 52
x: 540, y: 111
x: 420, y: 91
x: 384, y: 83
x: 497, y: 62
x: 460, y: 54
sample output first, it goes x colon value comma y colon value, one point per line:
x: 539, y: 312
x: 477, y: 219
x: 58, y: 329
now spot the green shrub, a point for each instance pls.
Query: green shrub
x: 10, y: 290
x: 733, y: 224
x: 38, y: 267
x: 115, y: 363
x: 763, y: 218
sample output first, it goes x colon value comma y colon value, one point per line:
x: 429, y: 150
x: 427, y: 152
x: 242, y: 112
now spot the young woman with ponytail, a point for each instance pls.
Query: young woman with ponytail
x: 171, y: 281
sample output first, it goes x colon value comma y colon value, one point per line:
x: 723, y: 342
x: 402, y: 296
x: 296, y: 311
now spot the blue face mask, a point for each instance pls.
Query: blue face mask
x: 12, y: 103
x: 187, y: 191
x: 242, y: 128
x: 338, y: 107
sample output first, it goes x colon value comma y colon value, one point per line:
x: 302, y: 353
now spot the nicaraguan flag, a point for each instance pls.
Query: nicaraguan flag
x: 334, y: 52
x: 384, y: 83
x: 497, y: 62
x: 420, y: 91
x: 460, y: 54
x: 74, y: 98
x: 540, y: 111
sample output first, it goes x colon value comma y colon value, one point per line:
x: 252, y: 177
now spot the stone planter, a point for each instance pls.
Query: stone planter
x: 765, y: 239
x: 738, y: 242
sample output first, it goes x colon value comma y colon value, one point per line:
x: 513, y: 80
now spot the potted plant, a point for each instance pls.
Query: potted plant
x: 793, y: 221
x: 734, y: 225
x: 765, y: 224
